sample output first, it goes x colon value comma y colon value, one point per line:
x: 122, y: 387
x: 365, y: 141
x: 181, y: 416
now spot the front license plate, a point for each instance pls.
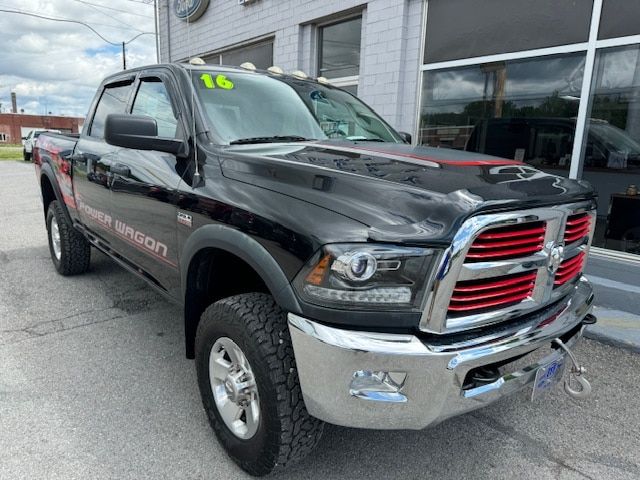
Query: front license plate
x: 547, y: 377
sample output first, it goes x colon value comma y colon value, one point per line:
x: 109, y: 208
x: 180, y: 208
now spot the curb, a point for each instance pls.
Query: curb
x: 616, y: 328
x: 611, y: 341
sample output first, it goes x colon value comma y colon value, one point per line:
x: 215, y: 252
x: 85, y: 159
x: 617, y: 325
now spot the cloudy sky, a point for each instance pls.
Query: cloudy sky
x: 54, y: 66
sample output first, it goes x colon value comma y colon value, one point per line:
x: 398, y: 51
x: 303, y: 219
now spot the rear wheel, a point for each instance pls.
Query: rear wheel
x: 70, y: 251
x: 249, y: 384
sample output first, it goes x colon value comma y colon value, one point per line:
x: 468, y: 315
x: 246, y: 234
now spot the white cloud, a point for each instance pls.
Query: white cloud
x: 55, y: 66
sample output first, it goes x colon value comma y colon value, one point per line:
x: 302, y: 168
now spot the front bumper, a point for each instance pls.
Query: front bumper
x: 431, y: 375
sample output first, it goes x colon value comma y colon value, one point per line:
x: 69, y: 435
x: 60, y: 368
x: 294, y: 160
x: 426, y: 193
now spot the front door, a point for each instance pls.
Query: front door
x: 144, y: 185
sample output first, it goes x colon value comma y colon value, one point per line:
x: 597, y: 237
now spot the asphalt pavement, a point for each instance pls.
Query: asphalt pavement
x: 94, y: 384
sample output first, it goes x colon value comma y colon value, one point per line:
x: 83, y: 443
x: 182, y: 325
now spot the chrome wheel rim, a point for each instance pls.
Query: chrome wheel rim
x: 234, y: 388
x: 55, y: 238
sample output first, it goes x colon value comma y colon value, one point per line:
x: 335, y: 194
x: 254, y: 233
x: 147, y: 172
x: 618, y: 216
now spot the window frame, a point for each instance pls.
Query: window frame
x: 346, y: 81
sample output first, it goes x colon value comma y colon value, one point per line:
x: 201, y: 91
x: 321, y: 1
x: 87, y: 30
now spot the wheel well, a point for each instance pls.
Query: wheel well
x: 214, y: 274
x: 48, y: 195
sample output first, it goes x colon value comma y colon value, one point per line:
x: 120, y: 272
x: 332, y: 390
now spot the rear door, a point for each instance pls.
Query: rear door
x: 144, y: 186
x: 92, y: 162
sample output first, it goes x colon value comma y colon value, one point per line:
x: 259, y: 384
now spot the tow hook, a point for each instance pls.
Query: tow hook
x: 577, y: 372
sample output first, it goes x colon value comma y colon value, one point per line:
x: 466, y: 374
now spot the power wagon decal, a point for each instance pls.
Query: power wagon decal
x: 137, y: 238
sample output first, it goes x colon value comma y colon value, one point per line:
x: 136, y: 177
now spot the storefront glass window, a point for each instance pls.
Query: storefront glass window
x: 261, y: 55
x: 520, y: 109
x: 340, y: 49
x: 611, y: 156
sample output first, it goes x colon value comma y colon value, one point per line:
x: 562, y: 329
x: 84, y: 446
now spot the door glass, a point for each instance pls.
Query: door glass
x: 153, y: 101
x: 520, y: 109
x: 611, y: 154
x: 113, y: 100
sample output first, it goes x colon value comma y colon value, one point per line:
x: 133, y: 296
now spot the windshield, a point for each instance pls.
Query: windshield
x: 248, y: 107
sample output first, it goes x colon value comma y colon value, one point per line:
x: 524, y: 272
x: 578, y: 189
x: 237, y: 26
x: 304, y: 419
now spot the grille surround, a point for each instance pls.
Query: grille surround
x: 455, y: 267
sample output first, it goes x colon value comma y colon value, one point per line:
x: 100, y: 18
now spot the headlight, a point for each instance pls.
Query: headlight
x: 366, y: 276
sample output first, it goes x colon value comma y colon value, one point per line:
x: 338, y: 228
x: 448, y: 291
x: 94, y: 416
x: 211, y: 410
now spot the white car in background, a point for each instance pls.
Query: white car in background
x: 30, y: 140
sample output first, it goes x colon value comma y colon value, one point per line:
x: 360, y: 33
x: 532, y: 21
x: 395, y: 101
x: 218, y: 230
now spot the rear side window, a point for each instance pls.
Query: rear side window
x: 113, y: 100
x: 153, y: 100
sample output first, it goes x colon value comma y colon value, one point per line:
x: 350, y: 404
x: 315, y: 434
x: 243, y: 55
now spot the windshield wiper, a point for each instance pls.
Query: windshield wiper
x: 273, y: 139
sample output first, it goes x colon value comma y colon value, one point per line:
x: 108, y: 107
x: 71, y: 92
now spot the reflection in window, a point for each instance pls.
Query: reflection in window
x: 339, y: 53
x: 340, y: 49
x: 260, y: 54
x: 113, y: 100
x: 611, y: 154
x: 522, y: 109
x: 152, y: 100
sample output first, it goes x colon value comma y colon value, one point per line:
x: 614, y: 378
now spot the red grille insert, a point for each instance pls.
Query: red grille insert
x: 512, y: 241
x: 569, y: 269
x: 578, y: 227
x: 472, y: 295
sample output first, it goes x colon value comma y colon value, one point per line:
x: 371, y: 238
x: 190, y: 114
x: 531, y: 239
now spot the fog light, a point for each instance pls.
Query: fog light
x: 378, y: 386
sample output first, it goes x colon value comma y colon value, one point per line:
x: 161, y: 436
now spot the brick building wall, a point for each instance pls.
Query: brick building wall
x: 390, y: 49
x: 11, y: 125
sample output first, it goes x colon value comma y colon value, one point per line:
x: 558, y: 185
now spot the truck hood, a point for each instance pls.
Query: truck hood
x: 401, y: 193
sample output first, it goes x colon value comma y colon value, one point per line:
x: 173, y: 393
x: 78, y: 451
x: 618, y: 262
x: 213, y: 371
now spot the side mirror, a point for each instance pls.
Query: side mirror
x: 24, y: 138
x: 140, y: 133
x: 405, y: 136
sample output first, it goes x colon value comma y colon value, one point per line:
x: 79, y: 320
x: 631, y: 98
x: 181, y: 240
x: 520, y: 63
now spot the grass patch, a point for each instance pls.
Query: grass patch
x: 10, y: 152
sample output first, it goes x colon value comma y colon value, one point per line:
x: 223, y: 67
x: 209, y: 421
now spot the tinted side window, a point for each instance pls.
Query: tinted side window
x: 113, y: 100
x: 153, y: 100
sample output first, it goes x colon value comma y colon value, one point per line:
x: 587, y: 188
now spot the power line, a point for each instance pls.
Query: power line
x: 114, y: 9
x: 117, y: 27
x: 111, y: 16
x: 143, y: 2
x: 67, y: 20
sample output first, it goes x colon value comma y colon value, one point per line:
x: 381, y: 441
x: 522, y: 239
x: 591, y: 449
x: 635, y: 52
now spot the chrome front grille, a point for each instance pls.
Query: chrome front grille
x: 477, y: 295
x: 512, y: 241
x: 501, y: 266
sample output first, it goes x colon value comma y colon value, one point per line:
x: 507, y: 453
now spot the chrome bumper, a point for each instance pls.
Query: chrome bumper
x: 428, y: 378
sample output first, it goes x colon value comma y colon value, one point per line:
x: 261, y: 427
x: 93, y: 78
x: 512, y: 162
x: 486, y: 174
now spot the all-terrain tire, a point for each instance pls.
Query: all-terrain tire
x: 286, y: 432
x: 75, y: 250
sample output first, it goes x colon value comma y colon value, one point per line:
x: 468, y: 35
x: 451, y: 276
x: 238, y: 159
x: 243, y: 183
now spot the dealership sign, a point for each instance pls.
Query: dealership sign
x: 189, y: 10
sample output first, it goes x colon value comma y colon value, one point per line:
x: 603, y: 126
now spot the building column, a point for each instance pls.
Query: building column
x: 390, y: 63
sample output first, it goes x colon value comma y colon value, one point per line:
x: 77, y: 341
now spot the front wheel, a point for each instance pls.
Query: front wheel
x: 26, y: 155
x: 249, y: 384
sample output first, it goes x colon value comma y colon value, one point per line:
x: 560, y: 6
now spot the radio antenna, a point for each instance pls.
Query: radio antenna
x: 197, y: 179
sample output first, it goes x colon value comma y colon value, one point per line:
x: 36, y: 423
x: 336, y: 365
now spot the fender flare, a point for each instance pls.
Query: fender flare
x: 250, y: 251
x: 47, y: 171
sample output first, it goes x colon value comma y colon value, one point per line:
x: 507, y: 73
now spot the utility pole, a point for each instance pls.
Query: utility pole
x: 156, y: 18
x: 124, y: 57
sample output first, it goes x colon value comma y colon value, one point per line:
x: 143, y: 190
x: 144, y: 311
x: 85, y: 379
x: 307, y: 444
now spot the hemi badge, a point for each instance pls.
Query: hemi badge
x: 185, y: 219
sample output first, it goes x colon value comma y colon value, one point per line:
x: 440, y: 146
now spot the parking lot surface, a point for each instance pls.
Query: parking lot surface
x: 94, y: 384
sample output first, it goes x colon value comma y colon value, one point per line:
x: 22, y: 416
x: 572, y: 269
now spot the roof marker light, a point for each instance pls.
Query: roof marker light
x: 197, y: 61
x: 248, y: 66
x: 322, y: 80
x: 299, y: 74
x: 276, y: 70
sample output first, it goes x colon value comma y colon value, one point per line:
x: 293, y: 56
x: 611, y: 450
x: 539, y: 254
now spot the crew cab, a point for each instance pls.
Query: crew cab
x: 329, y: 271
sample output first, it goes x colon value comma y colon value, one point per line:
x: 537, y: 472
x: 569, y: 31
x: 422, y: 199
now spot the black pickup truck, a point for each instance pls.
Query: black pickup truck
x: 329, y: 271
